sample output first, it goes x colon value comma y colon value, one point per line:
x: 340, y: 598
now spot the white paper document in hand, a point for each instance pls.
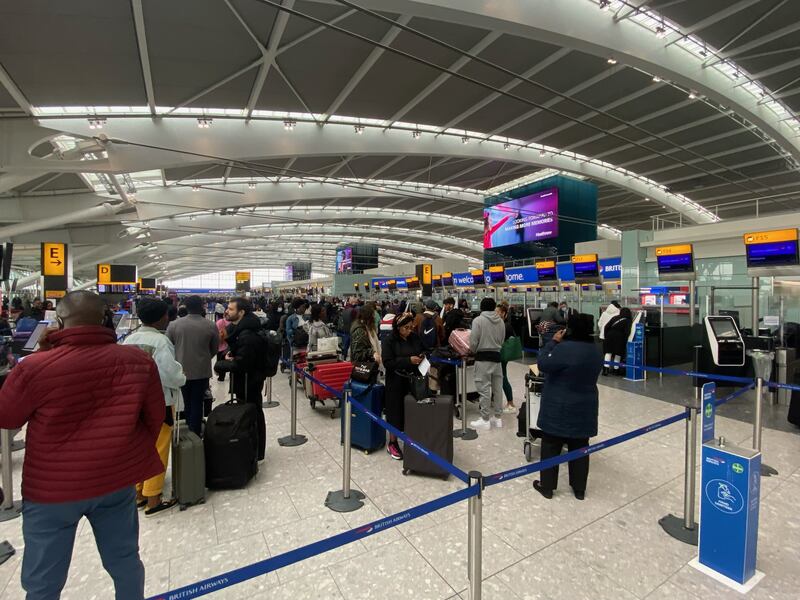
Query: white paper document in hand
x: 424, y: 366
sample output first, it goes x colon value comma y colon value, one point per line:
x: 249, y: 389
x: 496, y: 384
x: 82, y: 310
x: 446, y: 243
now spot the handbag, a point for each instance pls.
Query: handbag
x: 365, y: 372
x: 418, y: 386
x: 511, y: 349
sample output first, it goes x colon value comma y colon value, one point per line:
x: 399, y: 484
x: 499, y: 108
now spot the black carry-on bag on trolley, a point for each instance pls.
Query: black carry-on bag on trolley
x: 231, y: 444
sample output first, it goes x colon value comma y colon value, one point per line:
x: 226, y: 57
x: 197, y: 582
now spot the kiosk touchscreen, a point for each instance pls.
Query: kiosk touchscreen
x: 725, y: 341
x: 32, y: 345
x: 534, y: 315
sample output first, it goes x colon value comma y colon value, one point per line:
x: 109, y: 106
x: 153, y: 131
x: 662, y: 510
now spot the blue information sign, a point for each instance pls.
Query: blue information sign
x: 634, y: 360
x: 729, y: 506
x: 709, y: 410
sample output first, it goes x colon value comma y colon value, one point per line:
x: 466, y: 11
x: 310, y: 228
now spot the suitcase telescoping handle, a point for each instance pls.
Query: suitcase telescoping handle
x: 230, y: 387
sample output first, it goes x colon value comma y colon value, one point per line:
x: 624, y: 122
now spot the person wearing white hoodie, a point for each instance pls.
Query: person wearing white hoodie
x: 611, y: 311
x: 150, y: 337
x: 485, y: 340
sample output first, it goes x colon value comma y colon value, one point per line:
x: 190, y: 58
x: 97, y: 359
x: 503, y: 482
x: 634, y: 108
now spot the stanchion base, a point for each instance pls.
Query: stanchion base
x: 338, y: 503
x: 297, y: 440
x: 271, y: 404
x: 6, y: 551
x: 767, y: 471
x: 7, y: 514
x: 674, y: 527
x: 468, y: 434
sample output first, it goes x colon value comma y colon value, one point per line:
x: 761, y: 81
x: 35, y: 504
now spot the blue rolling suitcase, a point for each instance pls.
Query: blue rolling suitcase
x: 365, y: 434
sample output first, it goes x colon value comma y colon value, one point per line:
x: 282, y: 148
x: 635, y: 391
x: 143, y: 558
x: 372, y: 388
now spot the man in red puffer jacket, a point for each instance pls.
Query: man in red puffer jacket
x: 94, y: 410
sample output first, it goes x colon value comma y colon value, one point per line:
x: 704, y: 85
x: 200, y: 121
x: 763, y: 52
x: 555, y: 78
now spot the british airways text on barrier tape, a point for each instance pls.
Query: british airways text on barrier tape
x: 213, y: 584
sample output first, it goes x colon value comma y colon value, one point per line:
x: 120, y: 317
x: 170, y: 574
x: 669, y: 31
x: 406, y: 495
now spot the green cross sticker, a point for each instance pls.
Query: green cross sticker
x: 709, y: 410
x: 737, y: 468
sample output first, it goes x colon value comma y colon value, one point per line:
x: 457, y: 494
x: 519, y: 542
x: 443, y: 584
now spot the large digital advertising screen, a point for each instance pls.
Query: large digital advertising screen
x: 528, y: 219
x: 344, y: 260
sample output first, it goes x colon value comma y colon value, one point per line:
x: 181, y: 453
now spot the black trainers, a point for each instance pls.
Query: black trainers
x: 159, y: 508
x: 537, y: 485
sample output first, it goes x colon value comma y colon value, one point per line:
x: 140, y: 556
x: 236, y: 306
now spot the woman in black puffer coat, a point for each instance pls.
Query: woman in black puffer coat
x: 401, y: 351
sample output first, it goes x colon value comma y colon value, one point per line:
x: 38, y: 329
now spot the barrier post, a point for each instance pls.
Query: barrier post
x: 685, y: 530
x: 9, y: 509
x: 345, y: 500
x: 294, y: 439
x: 762, y: 365
x: 465, y: 433
x: 270, y: 403
x: 474, y: 537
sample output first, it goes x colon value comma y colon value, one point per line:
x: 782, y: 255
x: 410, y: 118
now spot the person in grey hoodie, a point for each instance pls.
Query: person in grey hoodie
x: 487, y: 336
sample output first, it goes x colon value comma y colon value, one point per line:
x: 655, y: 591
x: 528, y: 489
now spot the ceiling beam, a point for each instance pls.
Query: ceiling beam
x: 14, y: 91
x: 713, y: 18
x: 459, y: 64
x: 144, y: 56
x: 365, y: 67
x: 541, y: 65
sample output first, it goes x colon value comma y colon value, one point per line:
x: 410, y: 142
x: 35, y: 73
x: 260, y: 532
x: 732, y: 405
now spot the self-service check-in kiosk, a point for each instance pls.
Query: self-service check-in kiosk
x: 725, y: 341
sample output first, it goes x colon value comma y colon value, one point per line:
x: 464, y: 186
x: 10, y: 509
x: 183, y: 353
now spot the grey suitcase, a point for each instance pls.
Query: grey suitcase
x: 188, y: 467
x: 430, y: 424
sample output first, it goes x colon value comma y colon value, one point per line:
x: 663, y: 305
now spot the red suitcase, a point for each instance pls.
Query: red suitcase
x: 334, y: 375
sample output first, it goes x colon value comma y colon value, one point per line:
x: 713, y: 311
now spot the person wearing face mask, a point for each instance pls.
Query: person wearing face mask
x: 94, y: 410
x: 402, y: 352
x: 150, y: 338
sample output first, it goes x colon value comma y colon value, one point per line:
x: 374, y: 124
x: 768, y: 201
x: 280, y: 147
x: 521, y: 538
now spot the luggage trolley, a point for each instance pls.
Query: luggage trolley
x: 533, y: 387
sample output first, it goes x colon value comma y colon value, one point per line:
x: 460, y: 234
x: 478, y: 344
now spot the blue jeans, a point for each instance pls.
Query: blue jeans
x: 194, y: 391
x: 49, y: 534
x: 345, y: 337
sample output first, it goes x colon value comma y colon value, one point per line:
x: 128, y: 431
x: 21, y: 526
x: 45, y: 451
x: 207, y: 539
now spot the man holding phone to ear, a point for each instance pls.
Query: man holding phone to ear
x: 94, y: 411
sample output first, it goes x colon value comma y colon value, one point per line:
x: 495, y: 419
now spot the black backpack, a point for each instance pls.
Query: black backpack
x: 427, y: 332
x: 345, y: 320
x: 300, y: 339
x: 272, y: 345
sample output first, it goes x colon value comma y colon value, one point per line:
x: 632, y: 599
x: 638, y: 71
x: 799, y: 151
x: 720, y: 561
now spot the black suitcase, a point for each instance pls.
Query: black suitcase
x: 231, y: 445
x: 794, y: 405
x: 430, y: 424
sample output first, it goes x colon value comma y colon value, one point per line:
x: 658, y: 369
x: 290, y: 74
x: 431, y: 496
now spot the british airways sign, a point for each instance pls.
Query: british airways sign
x: 463, y: 279
x: 521, y: 275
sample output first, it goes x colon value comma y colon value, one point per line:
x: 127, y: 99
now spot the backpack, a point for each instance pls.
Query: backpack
x: 345, y: 320
x: 427, y: 332
x: 272, y: 346
x: 300, y: 339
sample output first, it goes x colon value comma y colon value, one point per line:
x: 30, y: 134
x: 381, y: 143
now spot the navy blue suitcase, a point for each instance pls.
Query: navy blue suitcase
x: 365, y: 434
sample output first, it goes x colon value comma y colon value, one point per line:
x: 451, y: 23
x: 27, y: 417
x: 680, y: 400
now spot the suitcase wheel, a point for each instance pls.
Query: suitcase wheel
x: 313, y: 402
x: 406, y: 471
x: 333, y: 414
x: 184, y: 507
x: 528, y: 451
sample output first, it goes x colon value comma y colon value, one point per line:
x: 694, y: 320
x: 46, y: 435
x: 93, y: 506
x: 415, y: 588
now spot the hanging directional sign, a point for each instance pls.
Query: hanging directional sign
x: 54, y: 259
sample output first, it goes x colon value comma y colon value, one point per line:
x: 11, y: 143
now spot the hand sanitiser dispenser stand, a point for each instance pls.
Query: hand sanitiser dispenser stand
x: 729, y: 507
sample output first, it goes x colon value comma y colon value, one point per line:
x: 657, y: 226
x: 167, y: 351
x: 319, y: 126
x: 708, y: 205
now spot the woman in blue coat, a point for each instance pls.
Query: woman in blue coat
x: 568, y: 415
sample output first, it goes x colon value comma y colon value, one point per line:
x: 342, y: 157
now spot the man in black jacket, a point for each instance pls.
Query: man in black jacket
x: 453, y: 318
x: 246, y: 360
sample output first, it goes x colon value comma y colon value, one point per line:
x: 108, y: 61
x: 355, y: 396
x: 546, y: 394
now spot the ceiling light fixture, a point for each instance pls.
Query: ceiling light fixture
x: 416, y: 134
x: 465, y: 139
x: 656, y: 78
x: 97, y: 122
x: 359, y: 129
x: 195, y: 188
x: 692, y: 95
x: 204, y: 122
x: 612, y: 61
x: 251, y: 185
x: 605, y: 4
x: 300, y: 184
x: 661, y: 31
x: 289, y: 124
x: 506, y: 146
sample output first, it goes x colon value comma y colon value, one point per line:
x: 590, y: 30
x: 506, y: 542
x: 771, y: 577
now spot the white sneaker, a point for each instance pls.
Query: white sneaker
x: 510, y: 410
x: 496, y: 422
x: 480, y: 424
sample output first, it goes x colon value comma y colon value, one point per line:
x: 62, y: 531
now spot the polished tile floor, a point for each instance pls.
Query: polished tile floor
x: 607, y: 547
